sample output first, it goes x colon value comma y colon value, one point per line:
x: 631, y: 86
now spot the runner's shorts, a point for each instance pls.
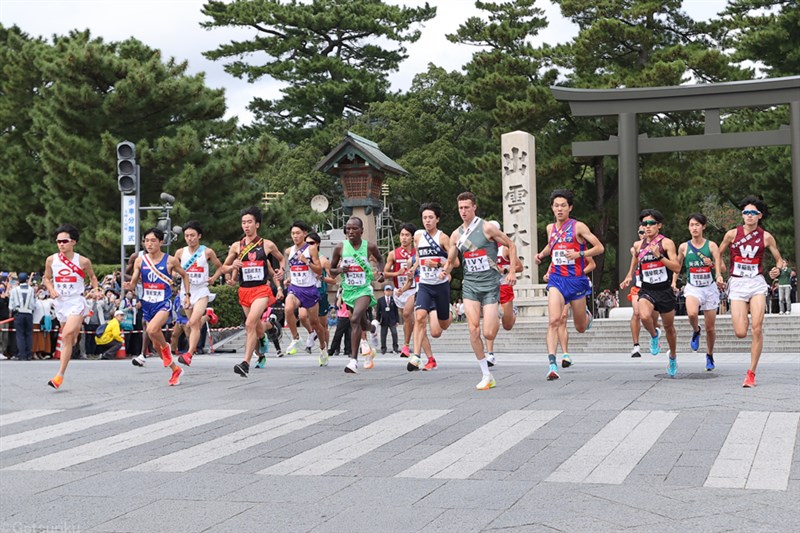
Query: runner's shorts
x: 484, y: 293
x: 401, y: 300
x: 506, y: 294
x: 571, y: 287
x: 308, y: 296
x: 744, y: 289
x: 430, y: 297
x: 708, y: 296
x: 150, y: 309
x: 248, y: 295
x: 199, y: 292
x: 67, y: 306
x: 663, y: 300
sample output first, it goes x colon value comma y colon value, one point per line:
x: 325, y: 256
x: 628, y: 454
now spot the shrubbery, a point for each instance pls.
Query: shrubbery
x: 226, y: 306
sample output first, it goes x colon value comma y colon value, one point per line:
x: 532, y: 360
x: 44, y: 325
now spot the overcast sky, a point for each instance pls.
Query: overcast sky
x: 173, y: 26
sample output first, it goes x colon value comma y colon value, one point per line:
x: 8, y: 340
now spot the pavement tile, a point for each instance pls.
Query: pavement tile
x: 174, y: 516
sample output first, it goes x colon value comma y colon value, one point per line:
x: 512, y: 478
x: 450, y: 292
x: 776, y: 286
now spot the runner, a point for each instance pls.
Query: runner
x: 654, y: 255
x: 351, y: 259
x: 303, y: 266
x: 322, y: 281
x: 155, y: 269
x: 195, y: 258
x: 701, y: 258
x: 64, y: 277
x: 251, y: 261
x: 747, y: 288
x: 477, y: 242
x: 399, y: 268
x: 633, y: 296
x: 567, y: 284
x: 433, y: 291
x: 509, y: 310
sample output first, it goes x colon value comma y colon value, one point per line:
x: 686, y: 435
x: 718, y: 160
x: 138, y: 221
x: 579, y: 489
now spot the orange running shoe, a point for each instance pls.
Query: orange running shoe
x: 749, y: 380
x: 185, y: 359
x: 176, y: 376
x: 430, y: 365
x: 56, y: 382
x: 369, y: 360
x: 166, y: 355
x: 405, y: 352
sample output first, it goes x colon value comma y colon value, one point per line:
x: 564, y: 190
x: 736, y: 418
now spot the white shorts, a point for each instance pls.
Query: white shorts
x: 745, y: 288
x: 708, y: 296
x: 400, y: 301
x: 67, y: 306
x: 199, y: 292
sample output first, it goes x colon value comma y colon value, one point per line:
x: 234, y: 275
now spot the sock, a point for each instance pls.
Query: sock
x: 484, y: 366
x: 552, y: 359
x: 635, y: 344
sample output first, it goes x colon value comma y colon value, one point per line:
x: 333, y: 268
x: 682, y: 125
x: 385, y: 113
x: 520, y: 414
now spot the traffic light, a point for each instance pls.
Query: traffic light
x: 127, y: 171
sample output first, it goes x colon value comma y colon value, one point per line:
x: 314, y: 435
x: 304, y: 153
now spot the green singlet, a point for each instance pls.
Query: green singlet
x: 357, y: 274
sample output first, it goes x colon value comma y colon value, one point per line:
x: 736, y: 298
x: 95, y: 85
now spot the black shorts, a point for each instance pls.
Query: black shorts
x: 430, y: 297
x: 663, y: 300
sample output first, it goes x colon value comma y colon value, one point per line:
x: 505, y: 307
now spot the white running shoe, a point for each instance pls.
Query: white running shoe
x: 323, y: 357
x: 352, y: 367
x: 139, y: 360
x: 365, y: 348
x: 292, y: 349
x: 486, y: 383
x: 374, y: 335
x: 312, y: 337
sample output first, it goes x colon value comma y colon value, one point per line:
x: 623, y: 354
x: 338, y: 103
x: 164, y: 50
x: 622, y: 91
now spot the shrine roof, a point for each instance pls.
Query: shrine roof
x: 366, y: 149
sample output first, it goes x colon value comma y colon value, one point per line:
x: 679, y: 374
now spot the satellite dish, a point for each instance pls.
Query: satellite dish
x: 319, y: 203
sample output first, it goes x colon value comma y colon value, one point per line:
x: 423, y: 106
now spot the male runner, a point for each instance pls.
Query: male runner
x: 399, y: 268
x: 249, y: 259
x: 351, y: 259
x: 507, y: 306
x: 64, y: 275
x: 155, y: 269
x: 566, y: 284
x: 701, y: 258
x: 433, y: 291
x: 747, y: 289
x: 195, y: 258
x: 322, y: 281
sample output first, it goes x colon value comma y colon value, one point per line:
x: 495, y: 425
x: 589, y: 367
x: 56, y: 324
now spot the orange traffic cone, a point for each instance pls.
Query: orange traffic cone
x: 57, y: 354
x: 121, y: 353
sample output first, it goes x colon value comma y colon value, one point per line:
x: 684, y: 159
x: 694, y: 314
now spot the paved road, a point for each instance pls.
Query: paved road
x: 613, y: 445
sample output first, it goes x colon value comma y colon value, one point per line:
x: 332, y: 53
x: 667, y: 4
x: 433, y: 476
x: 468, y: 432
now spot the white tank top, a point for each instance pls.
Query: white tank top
x: 430, y: 275
x: 66, y: 281
x: 198, y: 271
x: 301, y: 274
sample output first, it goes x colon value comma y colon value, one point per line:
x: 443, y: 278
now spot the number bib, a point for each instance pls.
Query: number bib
x: 700, y: 276
x: 153, y: 293
x: 401, y: 281
x: 476, y: 261
x: 560, y: 255
x: 253, y: 271
x: 356, y: 277
x: 197, y: 274
x: 66, y: 285
x: 300, y: 275
x: 654, y: 272
x: 429, y: 273
x: 745, y: 268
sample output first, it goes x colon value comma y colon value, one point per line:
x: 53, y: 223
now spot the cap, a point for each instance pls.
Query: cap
x: 388, y: 288
x: 22, y: 277
x: 119, y: 312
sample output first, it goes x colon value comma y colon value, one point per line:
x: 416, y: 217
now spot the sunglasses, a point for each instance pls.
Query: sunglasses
x: 63, y: 241
x: 311, y: 243
x: 751, y: 212
x: 648, y: 222
x: 641, y: 232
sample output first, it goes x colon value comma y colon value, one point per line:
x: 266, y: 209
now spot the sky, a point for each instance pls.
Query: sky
x: 173, y: 26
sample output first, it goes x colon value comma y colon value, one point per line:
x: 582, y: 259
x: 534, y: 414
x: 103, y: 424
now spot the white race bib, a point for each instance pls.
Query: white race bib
x: 253, y: 271
x: 560, y: 258
x: 197, y: 275
x: 700, y: 276
x: 476, y: 261
x: 153, y: 293
x: 744, y: 268
x: 654, y: 272
x: 356, y: 276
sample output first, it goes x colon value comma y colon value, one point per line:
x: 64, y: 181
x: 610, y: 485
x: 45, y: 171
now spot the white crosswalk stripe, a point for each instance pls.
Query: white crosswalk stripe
x: 474, y: 451
x: 117, y: 443
x: 26, y: 438
x: 339, y: 451
x: 757, y: 453
x: 28, y: 414
x: 611, y: 455
x: 224, y: 446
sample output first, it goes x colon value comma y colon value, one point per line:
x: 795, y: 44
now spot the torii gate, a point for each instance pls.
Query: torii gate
x: 709, y: 98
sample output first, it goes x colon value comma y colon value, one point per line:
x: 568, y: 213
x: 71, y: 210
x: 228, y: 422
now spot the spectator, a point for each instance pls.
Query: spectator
x: 460, y: 310
x: 22, y: 304
x: 784, y: 282
x: 42, y: 325
x: 95, y: 319
x: 388, y: 317
x: 110, y: 341
x: 5, y: 314
x: 602, y: 303
x: 342, y: 328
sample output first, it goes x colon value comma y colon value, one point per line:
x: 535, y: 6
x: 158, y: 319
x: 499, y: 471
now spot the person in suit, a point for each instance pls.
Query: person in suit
x: 388, y: 316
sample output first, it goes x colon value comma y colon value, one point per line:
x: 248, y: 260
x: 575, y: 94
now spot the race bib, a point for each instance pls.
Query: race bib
x: 560, y: 258
x: 67, y: 285
x: 253, y: 271
x: 197, y: 275
x: 401, y: 281
x: 745, y: 268
x: 356, y: 276
x: 153, y: 293
x: 476, y: 261
x: 700, y: 276
x: 300, y: 275
x: 428, y: 273
x: 654, y: 272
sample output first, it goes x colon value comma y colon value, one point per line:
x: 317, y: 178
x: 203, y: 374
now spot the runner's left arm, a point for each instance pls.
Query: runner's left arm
x: 48, y: 277
x: 86, y: 266
x: 681, y: 257
x: 501, y: 238
x: 669, y: 258
x: 772, y: 246
x: 375, y: 252
x: 719, y: 266
x: 211, y: 257
x: 586, y: 234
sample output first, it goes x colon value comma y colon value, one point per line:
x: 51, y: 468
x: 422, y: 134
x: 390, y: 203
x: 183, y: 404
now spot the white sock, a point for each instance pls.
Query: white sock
x: 484, y: 366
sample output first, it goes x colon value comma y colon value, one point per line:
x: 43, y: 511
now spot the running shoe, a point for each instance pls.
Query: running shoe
x: 263, y: 345
x: 413, y: 363
x: 405, y: 352
x: 310, y: 341
x: 292, y: 349
x: 591, y: 319
x: 373, y: 335
x: 276, y: 332
x: 262, y: 361
x: 709, y: 362
x: 552, y: 374
x: 431, y: 364
x: 369, y: 360
x: 749, y: 380
x: 352, y: 367
x: 176, y: 377
x: 695, y: 344
x: 166, y: 355
x: 635, y: 352
x: 654, y: 347
x: 243, y: 369
x: 323, y: 357
x: 566, y: 361
x: 139, y: 360
x: 515, y: 309
x: 56, y: 381
x: 490, y: 358
x: 365, y: 348
x: 279, y: 353
x: 486, y: 383
x: 185, y: 359
x: 672, y: 367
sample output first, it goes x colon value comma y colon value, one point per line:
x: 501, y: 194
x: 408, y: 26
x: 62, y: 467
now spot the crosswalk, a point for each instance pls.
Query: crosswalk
x: 758, y: 452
